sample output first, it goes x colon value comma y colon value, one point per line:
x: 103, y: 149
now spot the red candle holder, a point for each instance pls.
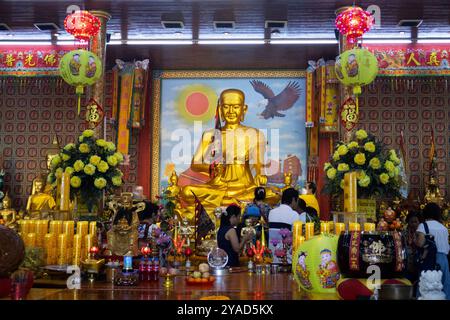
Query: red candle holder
x: 146, y: 251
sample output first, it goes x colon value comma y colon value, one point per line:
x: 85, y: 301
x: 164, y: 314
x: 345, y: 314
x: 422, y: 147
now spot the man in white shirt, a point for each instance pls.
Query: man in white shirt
x: 283, y: 217
x: 432, y: 216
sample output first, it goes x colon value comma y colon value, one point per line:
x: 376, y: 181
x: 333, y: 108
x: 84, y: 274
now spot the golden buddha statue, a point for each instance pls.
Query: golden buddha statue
x: 39, y: 202
x: 287, y: 181
x: 9, y: 215
x: 173, y: 189
x: 227, y: 156
x: 433, y: 194
x: 123, y: 236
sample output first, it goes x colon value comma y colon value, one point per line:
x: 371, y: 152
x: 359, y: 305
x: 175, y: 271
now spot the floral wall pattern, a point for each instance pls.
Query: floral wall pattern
x: 415, y: 106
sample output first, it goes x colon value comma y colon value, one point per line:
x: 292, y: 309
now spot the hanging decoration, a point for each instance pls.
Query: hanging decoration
x: 349, y: 114
x: 80, y: 68
x: 82, y: 25
x: 94, y: 114
x: 353, y: 23
x: 355, y: 68
x: 130, y: 85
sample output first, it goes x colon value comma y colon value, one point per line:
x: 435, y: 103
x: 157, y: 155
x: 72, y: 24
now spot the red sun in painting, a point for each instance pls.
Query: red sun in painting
x: 197, y: 102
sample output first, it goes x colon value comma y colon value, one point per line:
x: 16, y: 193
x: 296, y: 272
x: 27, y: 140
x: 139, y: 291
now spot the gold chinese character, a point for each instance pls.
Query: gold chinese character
x: 433, y: 59
x: 9, y: 60
x: 29, y: 60
x: 50, y: 59
x: 411, y: 57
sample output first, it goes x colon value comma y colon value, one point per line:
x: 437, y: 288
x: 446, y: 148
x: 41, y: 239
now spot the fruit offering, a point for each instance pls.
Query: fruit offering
x: 202, y: 276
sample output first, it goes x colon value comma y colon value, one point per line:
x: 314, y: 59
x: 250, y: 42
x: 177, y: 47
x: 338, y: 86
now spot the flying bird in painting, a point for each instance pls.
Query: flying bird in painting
x: 275, y: 103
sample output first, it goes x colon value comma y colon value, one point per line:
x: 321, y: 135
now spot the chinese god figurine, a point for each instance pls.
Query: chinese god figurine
x: 123, y: 236
x: 248, y: 229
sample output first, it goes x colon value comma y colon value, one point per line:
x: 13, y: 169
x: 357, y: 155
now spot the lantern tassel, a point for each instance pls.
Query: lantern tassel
x: 79, y: 103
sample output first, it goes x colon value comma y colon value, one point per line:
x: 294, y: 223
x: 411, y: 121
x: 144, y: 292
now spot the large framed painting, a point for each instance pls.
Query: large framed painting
x: 185, y: 105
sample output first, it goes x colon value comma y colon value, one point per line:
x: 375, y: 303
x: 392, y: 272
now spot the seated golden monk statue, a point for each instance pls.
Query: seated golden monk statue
x: 123, y: 235
x: 227, y: 156
x: 39, y: 202
x: 287, y: 181
x: 9, y: 215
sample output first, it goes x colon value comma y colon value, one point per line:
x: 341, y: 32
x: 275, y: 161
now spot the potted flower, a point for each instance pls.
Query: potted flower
x: 378, y: 169
x: 92, y: 165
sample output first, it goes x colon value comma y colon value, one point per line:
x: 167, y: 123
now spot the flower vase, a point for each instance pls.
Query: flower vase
x: 83, y: 210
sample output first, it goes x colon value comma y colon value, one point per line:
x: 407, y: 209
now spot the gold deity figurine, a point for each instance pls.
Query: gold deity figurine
x: 173, y: 189
x: 123, y: 236
x: 433, y: 194
x: 227, y: 156
x: 9, y: 215
x: 186, y: 231
x: 39, y: 202
x: 248, y: 229
x: 287, y: 181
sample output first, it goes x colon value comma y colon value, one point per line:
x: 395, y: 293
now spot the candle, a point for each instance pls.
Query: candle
x: 24, y: 226
x: 339, y: 227
x: 263, y: 234
x: 88, y: 244
x: 32, y: 227
x: 369, y: 226
x: 350, y: 192
x: 77, y: 249
x: 62, y: 249
x: 330, y: 226
x: 324, y: 227
x: 58, y: 193
x: 30, y: 240
x: 354, y: 226
x: 49, y: 245
x: 56, y: 227
x: 93, y: 228
x: 296, y: 234
x: 82, y: 228
x: 68, y: 228
x: 309, y: 230
x: 65, y: 192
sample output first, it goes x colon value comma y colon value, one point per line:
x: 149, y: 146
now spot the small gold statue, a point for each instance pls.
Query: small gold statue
x: 433, y: 194
x: 9, y: 215
x: 39, y: 202
x: 248, y: 229
x: 123, y: 236
x: 186, y: 231
x: 287, y: 181
x: 173, y: 187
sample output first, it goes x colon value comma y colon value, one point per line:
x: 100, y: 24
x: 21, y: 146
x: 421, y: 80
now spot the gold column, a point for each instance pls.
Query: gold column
x: 97, y: 45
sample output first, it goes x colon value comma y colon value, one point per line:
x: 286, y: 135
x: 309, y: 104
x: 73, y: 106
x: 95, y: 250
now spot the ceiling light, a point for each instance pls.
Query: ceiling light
x: 402, y: 32
x: 36, y: 43
x: 231, y: 41
x: 383, y: 41
x: 444, y: 40
x: 158, y: 42
x: 303, y: 41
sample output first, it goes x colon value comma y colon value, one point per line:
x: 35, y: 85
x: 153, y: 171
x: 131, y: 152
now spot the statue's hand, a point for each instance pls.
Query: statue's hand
x: 261, y: 180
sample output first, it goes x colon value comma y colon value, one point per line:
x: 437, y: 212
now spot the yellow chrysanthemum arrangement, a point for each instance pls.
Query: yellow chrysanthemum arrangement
x: 378, y: 169
x: 92, y: 165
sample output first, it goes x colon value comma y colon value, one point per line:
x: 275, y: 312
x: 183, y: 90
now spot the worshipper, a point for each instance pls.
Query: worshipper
x: 301, y: 210
x: 147, y: 219
x: 432, y: 216
x: 283, y: 217
x: 413, y: 220
x: 309, y: 196
x: 258, y: 201
x: 227, y: 237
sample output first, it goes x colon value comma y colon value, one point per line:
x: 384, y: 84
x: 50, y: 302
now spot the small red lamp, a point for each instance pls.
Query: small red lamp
x: 82, y: 25
x: 353, y: 23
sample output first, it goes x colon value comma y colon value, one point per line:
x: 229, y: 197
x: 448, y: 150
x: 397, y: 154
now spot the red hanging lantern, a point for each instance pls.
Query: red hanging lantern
x: 82, y: 25
x: 353, y: 23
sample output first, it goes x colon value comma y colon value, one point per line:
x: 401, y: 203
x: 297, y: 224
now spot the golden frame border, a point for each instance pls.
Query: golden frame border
x: 155, y: 118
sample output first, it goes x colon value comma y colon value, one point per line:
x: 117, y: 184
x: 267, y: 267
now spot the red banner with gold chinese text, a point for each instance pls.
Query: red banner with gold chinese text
x: 412, y: 59
x: 26, y: 61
